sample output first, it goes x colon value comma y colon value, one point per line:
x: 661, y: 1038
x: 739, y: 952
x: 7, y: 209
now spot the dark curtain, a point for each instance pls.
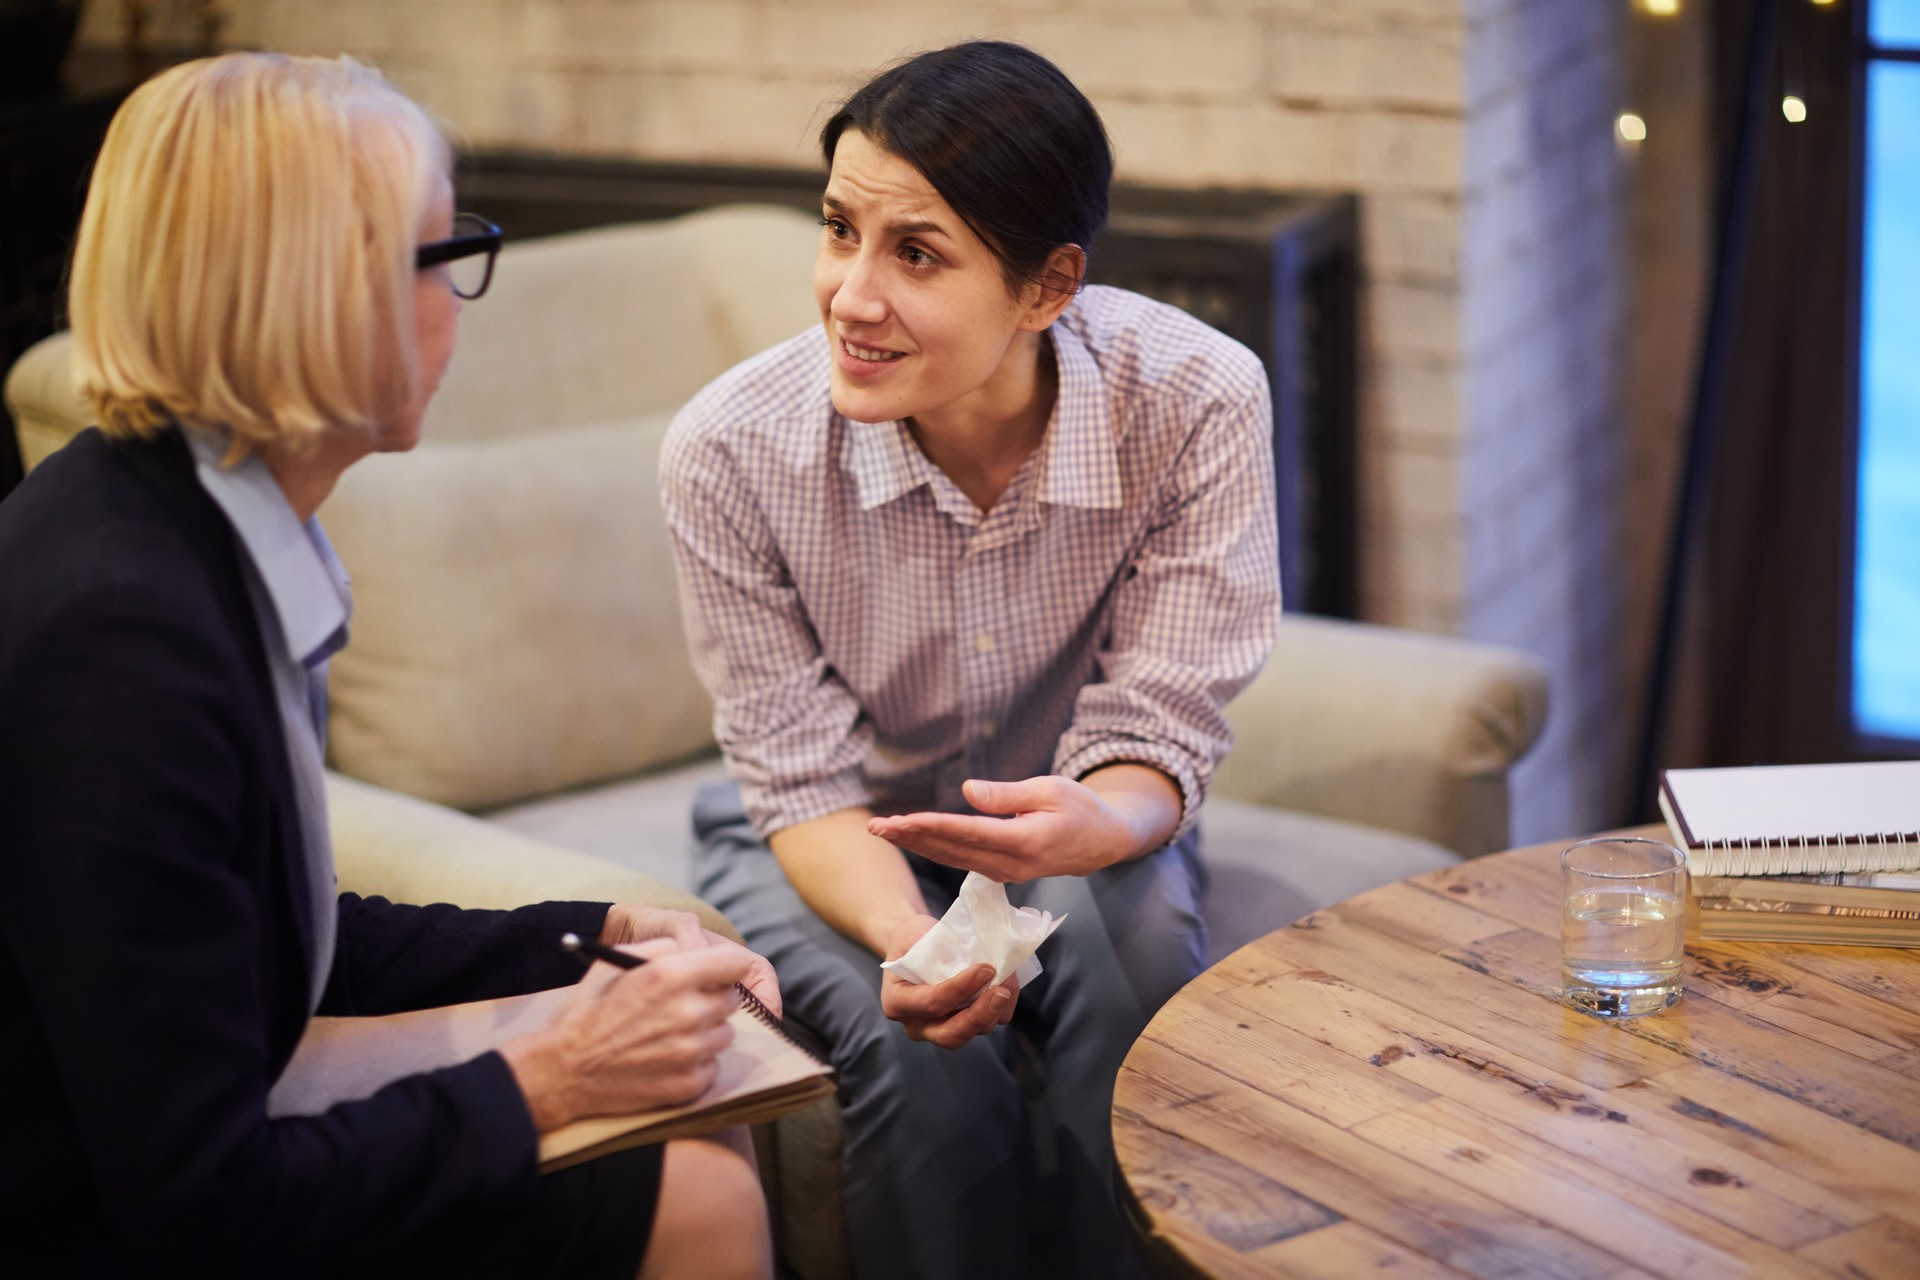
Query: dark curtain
x: 1767, y: 623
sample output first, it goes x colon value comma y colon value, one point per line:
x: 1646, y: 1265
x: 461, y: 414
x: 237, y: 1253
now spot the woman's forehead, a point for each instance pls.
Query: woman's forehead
x: 873, y: 182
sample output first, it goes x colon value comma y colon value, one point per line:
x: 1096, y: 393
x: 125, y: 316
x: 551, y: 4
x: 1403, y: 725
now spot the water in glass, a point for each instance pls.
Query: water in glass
x: 1621, y: 948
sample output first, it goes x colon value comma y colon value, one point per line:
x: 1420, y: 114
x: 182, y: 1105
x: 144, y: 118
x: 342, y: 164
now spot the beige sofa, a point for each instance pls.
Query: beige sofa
x: 516, y: 718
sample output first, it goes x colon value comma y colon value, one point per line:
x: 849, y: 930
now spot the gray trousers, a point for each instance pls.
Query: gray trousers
x: 949, y: 1172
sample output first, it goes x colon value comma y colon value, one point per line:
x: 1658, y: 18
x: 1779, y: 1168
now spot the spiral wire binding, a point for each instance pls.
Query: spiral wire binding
x: 1799, y: 855
x: 771, y: 1020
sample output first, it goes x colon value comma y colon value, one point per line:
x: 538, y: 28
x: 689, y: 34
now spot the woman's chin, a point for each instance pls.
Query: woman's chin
x: 858, y: 404
x: 397, y: 435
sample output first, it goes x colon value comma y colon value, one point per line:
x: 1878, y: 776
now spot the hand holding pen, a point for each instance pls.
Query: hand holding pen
x: 634, y: 923
x: 638, y: 1039
x: 591, y: 951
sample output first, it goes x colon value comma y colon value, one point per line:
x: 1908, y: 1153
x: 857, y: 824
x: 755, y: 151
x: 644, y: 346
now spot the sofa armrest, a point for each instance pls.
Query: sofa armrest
x: 410, y: 850
x: 1387, y: 728
x: 39, y: 392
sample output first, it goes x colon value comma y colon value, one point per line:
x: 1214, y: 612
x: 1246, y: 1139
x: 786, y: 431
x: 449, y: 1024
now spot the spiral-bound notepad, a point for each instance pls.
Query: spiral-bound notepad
x: 1795, y: 819
x: 763, y: 1074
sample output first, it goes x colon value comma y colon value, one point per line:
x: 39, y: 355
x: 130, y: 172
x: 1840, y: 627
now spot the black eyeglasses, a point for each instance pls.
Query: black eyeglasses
x: 467, y: 254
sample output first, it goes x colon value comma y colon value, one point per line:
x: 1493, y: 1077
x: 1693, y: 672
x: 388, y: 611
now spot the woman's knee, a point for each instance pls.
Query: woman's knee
x: 712, y: 1216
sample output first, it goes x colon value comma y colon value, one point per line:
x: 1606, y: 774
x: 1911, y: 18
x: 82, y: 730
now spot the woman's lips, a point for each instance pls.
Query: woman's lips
x: 861, y: 361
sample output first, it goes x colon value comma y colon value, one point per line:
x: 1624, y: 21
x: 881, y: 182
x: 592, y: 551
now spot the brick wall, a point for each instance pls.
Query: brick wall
x: 1543, y: 448
x: 1478, y: 133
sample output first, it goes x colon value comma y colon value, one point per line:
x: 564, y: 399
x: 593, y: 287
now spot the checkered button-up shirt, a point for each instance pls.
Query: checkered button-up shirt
x: 871, y: 638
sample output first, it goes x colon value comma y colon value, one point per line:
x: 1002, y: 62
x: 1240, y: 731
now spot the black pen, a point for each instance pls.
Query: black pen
x: 591, y: 951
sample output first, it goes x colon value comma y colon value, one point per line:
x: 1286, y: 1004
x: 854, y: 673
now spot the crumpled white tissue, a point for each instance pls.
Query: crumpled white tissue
x: 981, y: 927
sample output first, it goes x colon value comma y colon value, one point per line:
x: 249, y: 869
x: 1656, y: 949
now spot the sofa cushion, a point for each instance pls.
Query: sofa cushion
x: 645, y: 823
x: 624, y: 320
x: 516, y: 626
x: 407, y: 850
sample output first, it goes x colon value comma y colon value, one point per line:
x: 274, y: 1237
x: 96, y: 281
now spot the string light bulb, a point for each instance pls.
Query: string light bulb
x: 1631, y: 127
x: 1794, y: 109
x: 1661, y: 8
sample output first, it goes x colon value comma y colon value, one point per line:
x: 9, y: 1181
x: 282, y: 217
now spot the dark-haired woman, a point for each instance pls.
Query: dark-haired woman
x: 985, y: 543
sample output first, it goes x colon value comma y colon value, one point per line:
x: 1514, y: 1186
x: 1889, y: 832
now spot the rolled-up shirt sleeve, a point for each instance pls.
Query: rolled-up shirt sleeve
x: 1196, y: 614
x: 794, y: 735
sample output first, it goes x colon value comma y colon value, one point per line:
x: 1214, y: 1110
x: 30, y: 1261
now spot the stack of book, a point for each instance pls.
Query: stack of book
x: 1872, y: 909
x: 1826, y: 853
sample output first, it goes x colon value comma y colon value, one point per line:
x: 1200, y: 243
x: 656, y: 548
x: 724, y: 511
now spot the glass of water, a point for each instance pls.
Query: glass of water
x: 1622, y: 925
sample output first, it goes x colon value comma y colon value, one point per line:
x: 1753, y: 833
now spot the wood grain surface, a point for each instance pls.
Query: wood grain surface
x: 1391, y: 1087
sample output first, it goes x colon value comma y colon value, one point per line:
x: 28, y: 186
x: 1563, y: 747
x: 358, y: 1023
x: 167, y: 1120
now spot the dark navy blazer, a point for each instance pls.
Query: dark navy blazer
x: 153, y: 929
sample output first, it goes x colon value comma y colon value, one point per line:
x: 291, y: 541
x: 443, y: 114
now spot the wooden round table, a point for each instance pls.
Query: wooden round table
x: 1391, y: 1087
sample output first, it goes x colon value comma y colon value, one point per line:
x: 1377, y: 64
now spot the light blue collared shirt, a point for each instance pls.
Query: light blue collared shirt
x: 300, y: 596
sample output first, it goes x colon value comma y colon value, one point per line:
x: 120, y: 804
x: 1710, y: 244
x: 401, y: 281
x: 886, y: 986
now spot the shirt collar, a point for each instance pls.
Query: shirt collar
x: 1080, y: 463
x: 884, y: 461
x: 295, y: 562
x: 1081, y: 466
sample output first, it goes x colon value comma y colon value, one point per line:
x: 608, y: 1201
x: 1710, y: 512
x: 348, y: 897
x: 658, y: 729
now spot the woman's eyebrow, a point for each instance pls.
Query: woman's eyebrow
x: 917, y: 229
x: 895, y: 228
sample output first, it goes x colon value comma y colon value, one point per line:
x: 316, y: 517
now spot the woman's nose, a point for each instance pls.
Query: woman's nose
x: 859, y: 299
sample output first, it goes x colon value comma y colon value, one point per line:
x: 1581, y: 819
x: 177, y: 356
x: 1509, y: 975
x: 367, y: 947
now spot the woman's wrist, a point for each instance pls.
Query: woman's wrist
x: 540, y: 1069
x: 856, y: 882
x: 1147, y: 802
x: 886, y: 927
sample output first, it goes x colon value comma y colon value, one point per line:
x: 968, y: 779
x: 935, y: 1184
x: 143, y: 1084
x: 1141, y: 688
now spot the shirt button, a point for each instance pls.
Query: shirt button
x: 983, y: 643
x: 986, y: 729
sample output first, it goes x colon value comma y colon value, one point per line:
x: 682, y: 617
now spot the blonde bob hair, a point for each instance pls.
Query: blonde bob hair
x: 246, y: 258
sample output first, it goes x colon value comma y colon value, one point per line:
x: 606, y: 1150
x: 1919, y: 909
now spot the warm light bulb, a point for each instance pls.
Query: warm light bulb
x: 1631, y: 127
x: 1662, y: 8
x: 1823, y: 3
x: 1794, y: 109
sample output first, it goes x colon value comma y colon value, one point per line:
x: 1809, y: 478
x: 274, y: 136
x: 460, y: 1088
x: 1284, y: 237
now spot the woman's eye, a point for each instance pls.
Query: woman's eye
x: 836, y: 228
x: 916, y: 256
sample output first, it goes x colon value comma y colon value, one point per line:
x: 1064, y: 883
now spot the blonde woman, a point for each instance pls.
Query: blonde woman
x: 265, y: 290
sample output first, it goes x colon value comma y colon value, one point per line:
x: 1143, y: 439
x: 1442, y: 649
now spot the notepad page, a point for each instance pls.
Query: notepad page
x: 1798, y: 802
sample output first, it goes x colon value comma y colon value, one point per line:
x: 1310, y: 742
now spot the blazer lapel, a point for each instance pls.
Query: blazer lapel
x: 166, y: 465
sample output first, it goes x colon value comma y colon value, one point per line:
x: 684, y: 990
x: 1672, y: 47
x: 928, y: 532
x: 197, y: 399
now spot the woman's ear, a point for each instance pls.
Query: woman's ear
x: 1060, y: 278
